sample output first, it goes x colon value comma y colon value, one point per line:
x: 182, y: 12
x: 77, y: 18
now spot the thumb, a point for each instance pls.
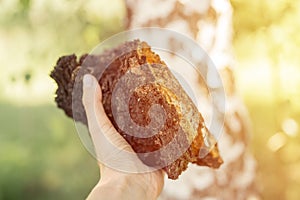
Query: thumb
x: 105, y: 138
x: 110, y: 147
x: 91, y: 99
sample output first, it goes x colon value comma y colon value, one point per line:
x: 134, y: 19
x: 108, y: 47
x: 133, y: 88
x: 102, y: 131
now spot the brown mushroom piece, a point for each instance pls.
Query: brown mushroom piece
x: 147, y: 81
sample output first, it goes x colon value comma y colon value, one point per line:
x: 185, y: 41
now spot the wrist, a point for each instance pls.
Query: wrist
x: 121, y: 185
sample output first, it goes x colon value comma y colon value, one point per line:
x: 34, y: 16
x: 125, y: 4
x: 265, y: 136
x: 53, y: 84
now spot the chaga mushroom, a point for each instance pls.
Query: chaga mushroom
x: 133, y: 79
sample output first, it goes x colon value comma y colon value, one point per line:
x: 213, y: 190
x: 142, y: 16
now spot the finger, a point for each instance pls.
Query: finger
x: 92, y: 97
x: 104, y: 135
x: 111, y: 148
x: 98, y: 122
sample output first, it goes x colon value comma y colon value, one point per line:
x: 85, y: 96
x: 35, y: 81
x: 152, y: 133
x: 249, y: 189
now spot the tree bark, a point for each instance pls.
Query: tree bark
x: 208, y: 23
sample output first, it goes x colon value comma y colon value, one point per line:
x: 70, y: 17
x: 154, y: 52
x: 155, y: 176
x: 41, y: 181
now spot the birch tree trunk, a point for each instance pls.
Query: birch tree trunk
x: 209, y: 23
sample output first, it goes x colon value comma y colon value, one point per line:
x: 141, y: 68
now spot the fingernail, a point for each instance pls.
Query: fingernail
x: 87, y: 80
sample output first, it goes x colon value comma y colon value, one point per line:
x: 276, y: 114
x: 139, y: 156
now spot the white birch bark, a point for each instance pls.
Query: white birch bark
x: 209, y: 23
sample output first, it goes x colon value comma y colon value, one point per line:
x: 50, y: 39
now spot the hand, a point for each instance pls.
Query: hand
x: 112, y: 152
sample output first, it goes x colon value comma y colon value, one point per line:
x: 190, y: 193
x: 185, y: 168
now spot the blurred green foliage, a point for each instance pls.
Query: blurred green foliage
x: 41, y: 155
x: 35, y: 33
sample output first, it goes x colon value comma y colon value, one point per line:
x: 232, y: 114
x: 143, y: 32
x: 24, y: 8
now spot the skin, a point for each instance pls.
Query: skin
x: 115, y: 184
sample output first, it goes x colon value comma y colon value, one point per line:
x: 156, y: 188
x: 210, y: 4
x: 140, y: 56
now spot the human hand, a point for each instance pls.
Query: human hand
x: 110, y: 148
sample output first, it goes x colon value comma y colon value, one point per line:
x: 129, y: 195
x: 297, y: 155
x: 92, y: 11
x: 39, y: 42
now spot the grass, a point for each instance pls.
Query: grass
x: 41, y: 156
